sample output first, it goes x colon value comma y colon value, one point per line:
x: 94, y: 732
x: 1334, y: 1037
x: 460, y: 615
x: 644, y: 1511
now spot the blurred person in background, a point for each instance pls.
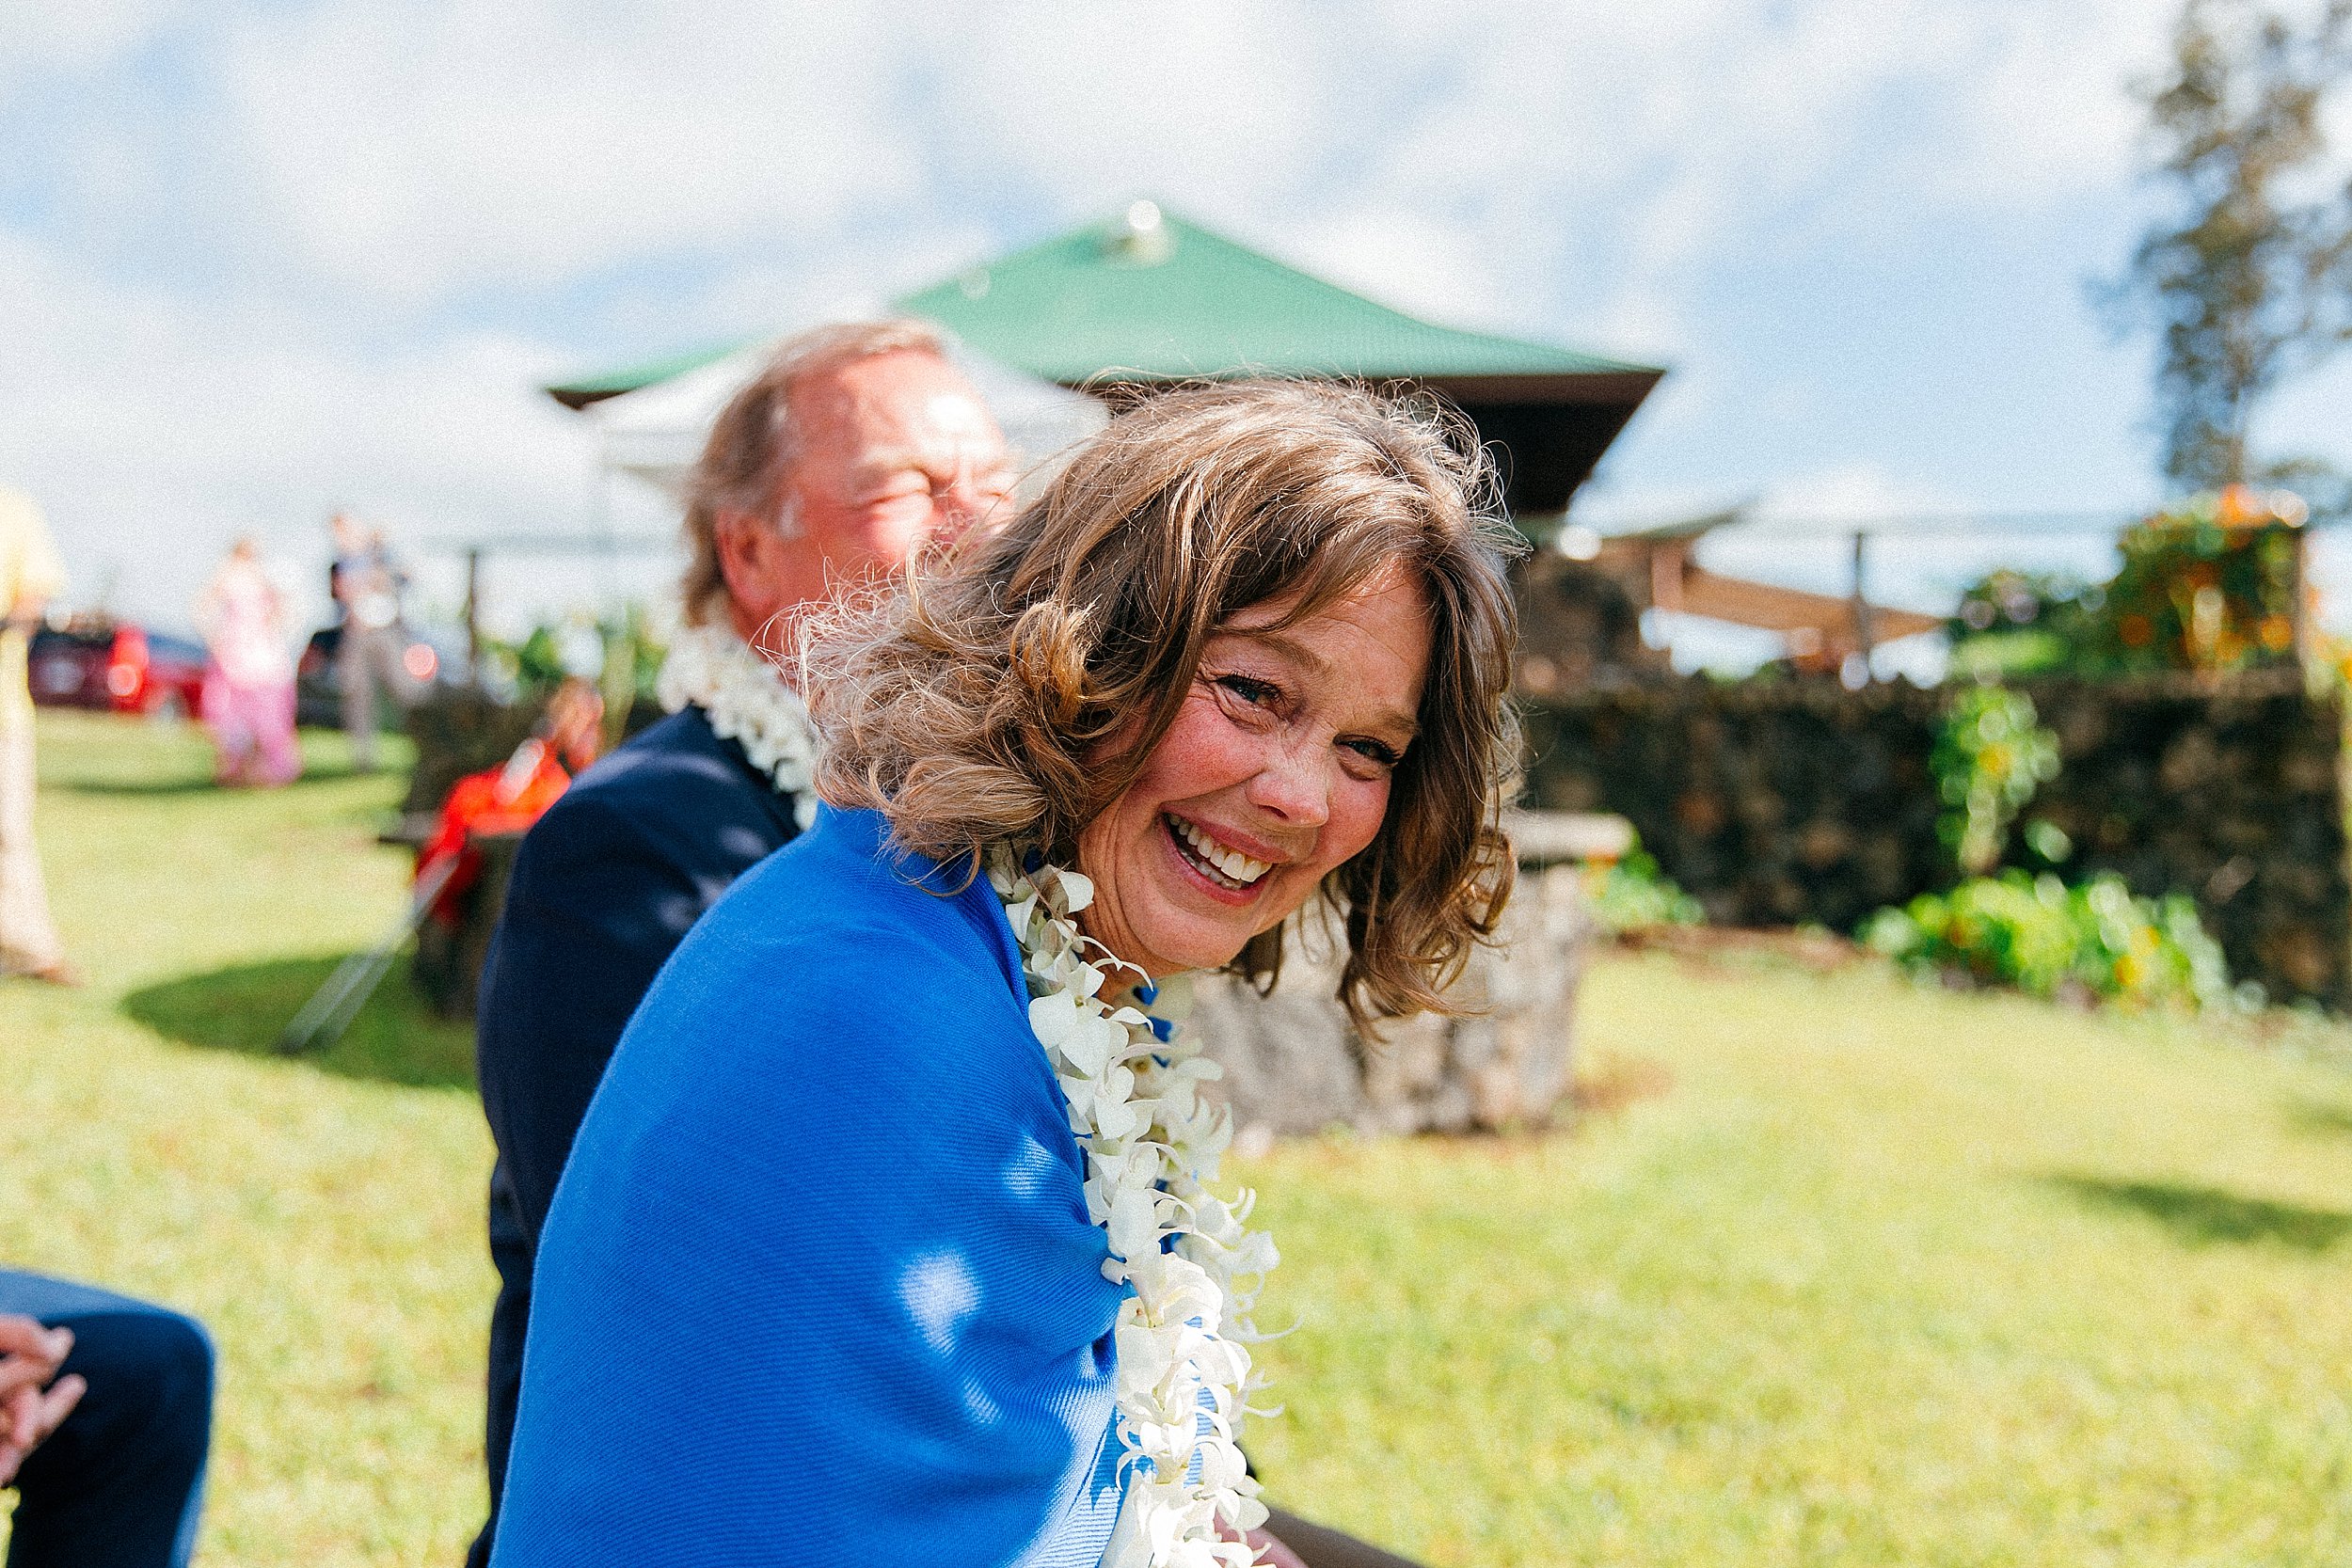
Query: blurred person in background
x: 30, y: 575
x: 366, y: 584
x: 248, y: 701
x: 508, y: 798
x: 855, y: 448
x: 105, y: 1417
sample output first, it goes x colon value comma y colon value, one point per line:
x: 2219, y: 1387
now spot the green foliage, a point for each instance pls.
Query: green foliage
x: 1989, y: 757
x: 1632, y: 894
x: 2207, y: 584
x: 2035, y: 933
x: 619, y: 652
x: 2011, y: 623
x: 2210, y: 585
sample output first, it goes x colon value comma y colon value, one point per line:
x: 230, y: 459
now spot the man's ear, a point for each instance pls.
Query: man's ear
x: 740, y: 541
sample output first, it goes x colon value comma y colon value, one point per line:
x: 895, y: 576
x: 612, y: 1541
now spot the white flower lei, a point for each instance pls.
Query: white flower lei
x: 750, y: 703
x: 1150, y: 1144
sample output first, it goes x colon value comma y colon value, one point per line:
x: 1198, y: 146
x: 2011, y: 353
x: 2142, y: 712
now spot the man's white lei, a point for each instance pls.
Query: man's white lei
x: 1150, y: 1144
x: 750, y: 703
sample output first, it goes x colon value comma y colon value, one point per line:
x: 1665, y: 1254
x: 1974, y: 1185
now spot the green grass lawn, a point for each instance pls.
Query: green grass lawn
x: 1876, y: 1275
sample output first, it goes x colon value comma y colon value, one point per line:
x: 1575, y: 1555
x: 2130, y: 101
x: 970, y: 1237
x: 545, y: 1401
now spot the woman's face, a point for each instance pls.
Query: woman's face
x: 1275, y: 772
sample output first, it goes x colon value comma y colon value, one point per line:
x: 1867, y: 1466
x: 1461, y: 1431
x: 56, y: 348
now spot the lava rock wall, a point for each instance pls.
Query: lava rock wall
x: 1781, y: 802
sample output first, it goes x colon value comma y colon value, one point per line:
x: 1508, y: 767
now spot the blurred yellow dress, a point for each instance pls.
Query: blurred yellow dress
x: 30, y: 575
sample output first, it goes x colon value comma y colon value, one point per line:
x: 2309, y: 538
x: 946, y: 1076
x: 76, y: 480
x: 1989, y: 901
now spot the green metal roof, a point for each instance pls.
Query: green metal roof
x: 596, y: 389
x: 1163, y: 299
x: 1151, y: 297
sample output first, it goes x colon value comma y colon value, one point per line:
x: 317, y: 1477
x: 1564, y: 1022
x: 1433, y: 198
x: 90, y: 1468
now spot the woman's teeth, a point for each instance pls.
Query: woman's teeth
x: 1227, y: 865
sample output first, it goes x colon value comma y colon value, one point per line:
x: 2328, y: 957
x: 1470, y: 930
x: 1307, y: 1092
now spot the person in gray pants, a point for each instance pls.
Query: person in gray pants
x: 367, y: 585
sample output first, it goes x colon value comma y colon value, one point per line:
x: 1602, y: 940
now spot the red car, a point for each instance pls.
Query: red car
x: 115, y: 665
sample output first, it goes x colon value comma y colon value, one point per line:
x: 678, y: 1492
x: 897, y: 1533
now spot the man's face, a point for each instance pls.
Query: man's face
x: 896, y: 452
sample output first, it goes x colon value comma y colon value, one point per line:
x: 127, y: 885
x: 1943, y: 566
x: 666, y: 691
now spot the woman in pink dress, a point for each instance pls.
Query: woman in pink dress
x: 248, y: 699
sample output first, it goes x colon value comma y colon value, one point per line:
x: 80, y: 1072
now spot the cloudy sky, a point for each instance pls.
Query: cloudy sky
x: 258, y: 260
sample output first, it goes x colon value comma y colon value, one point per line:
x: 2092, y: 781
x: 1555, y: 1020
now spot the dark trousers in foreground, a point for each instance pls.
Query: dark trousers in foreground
x: 120, y: 1484
x: 512, y: 1252
x: 1320, y: 1547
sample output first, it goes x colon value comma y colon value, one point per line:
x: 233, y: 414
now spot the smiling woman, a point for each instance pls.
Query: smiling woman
x: 889, y: 1235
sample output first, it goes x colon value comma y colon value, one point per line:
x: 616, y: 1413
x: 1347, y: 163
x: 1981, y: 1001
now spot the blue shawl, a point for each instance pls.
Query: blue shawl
x: 818, y: 1284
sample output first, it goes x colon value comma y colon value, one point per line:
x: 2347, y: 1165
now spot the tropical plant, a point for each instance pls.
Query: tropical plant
x: 618, y: 651
x: 2011, y: 622
x: 1990, y: 756
x: 2094, y: 939
x: 2210, y: 585
x: 1630, y: 894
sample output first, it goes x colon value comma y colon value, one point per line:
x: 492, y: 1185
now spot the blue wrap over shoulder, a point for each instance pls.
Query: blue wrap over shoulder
x: 818, y: 1284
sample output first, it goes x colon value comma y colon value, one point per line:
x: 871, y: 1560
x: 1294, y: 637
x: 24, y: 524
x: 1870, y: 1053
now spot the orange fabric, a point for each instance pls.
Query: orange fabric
x: 495, y: 800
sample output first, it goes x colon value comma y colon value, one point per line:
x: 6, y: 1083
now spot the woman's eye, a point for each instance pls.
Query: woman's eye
x: 1377, y: 751
x: 1257, y: 693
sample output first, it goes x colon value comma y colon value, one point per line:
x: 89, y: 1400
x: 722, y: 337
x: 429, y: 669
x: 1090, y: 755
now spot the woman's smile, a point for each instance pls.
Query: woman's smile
x: 1224, y: 868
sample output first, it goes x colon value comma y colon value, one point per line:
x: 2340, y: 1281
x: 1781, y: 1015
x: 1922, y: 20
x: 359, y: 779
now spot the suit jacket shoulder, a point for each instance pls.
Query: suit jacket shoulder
x: 605, y: 885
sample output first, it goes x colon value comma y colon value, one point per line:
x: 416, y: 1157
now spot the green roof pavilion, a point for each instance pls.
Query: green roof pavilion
x: 1146, y: 299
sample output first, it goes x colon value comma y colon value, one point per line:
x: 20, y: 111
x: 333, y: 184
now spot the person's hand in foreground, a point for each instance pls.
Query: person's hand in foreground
x: 32, y: 1405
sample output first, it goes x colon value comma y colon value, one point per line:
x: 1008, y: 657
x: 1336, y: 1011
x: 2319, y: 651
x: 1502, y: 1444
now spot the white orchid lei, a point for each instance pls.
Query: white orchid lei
x: 1150, y: 1143
x: 748, y: 701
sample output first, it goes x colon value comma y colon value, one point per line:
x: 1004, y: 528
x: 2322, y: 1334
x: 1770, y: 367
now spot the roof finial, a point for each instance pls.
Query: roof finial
x: 1141, y: 235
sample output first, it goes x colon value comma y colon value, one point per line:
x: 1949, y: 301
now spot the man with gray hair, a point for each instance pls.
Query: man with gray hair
x: 855, y: 448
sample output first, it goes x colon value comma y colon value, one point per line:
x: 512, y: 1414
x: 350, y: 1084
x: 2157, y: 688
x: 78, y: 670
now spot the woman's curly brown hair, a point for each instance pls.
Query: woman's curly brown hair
x: 976, y: 706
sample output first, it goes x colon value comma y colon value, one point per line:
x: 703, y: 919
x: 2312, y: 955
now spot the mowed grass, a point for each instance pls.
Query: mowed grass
x: 1873, y: 1275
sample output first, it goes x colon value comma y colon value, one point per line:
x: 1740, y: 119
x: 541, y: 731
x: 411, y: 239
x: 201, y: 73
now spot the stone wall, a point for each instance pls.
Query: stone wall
x: 1782, y: 802
x: 1293, y: 1064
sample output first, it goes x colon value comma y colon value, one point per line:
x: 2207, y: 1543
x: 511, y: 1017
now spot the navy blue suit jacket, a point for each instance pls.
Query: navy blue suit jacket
x: 604, y: 887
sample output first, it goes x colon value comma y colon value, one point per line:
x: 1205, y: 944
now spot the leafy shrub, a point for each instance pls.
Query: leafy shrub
x: 1632, y: 894
x: 2209, y: 584
x: 2012, y: 624
x: 620, y: 652
x: 1989, y: 757
x: 2035, y: 933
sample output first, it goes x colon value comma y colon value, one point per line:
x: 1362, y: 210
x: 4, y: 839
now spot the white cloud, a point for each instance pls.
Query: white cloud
x: 154, y: 434
x: 333, y: 259
x: 53, y: 35
x: 424, y: 149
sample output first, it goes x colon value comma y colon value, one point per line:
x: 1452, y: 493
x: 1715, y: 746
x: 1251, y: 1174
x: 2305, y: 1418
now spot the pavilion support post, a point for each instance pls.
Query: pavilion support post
x: 473, y: 613
x: 1862, y: 627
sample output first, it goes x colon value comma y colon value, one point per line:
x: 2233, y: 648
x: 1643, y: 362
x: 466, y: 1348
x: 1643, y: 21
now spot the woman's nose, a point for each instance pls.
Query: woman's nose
x: 1296, y: 784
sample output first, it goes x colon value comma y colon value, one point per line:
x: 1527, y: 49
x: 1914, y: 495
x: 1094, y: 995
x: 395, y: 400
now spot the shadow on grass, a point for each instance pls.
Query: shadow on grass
x: 394, y: 1039
x: 2207, y: 1216
x: 198, y: 784
x: 2320, y: 1115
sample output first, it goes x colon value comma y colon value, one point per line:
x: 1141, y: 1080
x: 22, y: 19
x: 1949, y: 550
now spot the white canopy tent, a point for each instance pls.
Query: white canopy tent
x: 656, y: 432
